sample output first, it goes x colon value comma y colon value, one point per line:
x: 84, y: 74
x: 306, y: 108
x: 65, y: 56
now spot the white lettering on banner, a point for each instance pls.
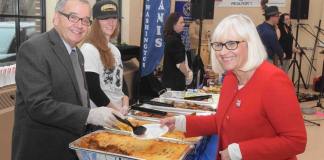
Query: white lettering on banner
x: 161, y: 7
x: 160, y: 17
x: 160, y: 22
x: 158, y: 30
x: 158, y: 42
x: 147, y: 7
x: 145, y: 40
x: 146, y: 28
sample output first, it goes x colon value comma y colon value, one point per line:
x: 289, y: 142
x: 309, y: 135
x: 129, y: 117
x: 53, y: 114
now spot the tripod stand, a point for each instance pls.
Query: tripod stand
x: 319, y: 104
x: 319, y: 98
x: 295, y: 63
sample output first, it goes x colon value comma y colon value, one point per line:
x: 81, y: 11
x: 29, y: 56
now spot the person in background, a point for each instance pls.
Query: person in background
x: 176, y: 72
x: 102, y: 59
x: 52, y: 104
x: 269, y: 35
x: 194, y: 35
x: 253, y: 120
x: 286, y: 39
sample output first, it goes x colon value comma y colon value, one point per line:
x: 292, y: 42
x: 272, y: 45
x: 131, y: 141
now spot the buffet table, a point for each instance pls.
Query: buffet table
x: 118, y: 142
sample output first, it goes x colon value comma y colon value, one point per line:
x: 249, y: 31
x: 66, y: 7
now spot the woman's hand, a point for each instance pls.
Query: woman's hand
x: 124, y: 110
x: 125, y: 106
x: 169, y: 122
x: 225, y: 155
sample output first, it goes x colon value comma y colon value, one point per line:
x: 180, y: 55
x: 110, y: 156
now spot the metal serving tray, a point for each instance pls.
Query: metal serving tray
x: 90, y: 154
x: 178, y: 96
x: 179, y: 111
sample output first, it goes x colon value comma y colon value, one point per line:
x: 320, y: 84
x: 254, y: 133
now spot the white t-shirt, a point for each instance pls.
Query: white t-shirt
x: 111, y: 81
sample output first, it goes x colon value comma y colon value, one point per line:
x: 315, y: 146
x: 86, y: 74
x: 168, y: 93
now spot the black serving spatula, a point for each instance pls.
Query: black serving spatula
x: 148, y: 110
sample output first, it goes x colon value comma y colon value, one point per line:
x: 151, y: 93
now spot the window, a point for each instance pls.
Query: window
x: 19, y: 21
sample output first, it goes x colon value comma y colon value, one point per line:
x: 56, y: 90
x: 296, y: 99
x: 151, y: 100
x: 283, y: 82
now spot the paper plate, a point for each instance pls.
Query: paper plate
x: 153, y: 131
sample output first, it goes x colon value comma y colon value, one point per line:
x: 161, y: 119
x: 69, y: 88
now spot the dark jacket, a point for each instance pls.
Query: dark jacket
x: 174, y: 53
x: 269, y: 39
x: 48, y: 113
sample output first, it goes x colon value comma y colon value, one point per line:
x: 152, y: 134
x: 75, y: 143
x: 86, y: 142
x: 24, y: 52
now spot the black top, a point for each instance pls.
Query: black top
x: 286, y: 40
x: 174, y: 53
x: 97, y: 95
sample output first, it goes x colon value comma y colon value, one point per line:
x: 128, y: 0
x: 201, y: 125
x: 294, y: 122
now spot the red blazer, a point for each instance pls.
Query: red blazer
x: 263, y: 117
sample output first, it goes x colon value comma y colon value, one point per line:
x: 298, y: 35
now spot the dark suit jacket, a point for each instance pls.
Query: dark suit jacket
x: 48, y: 113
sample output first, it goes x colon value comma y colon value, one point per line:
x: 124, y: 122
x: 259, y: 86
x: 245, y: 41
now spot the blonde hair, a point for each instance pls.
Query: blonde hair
x: 244, y: 28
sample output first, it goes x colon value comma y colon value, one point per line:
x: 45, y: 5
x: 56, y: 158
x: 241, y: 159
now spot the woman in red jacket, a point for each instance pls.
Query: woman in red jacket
x: 258, y: 116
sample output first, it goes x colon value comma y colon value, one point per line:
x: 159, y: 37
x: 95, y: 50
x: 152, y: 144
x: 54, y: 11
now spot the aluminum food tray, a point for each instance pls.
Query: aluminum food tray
x: 178, y: 96
x: 90, y: 154
x: 179, y: 111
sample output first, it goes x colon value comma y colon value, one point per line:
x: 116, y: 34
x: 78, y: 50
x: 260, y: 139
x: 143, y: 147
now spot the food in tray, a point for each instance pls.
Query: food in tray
x: 187, y: 105
x: 145, y: 114
x: 211, y: 89
x: 101, y: 142
x: 173, y: 134
x: 130, y: 146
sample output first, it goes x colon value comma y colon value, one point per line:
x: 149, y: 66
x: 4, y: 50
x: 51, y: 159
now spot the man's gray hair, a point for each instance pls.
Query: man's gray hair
x: 61, y: 3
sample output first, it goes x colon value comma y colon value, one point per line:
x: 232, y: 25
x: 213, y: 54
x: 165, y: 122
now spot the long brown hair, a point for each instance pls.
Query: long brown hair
x: 97, y: 38
x: 169, y: 24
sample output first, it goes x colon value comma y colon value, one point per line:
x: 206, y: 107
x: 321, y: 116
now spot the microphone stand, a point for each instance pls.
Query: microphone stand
x: 314, y: 48
x: 295, y: 63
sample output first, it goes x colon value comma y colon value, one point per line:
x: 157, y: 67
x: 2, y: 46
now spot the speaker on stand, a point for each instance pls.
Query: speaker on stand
x: 299, y: 9
x: 200, y: 9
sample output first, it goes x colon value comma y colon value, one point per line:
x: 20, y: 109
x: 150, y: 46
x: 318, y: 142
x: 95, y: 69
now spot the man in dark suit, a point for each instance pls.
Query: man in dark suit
x: 52, y: 105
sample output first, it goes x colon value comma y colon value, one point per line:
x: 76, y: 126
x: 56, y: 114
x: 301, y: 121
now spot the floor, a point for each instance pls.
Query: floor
x: 315, y: 134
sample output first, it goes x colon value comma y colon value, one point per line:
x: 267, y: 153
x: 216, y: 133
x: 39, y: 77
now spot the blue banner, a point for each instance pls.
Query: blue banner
x: 155, y: 13
x: 183, y: 8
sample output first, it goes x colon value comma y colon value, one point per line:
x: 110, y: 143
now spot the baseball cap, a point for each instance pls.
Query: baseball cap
x: 105, y: 9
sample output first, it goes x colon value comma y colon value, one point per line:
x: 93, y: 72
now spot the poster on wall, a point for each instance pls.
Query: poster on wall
x: 183, y: 8
x: 248, y: 3
x: 152, y: 44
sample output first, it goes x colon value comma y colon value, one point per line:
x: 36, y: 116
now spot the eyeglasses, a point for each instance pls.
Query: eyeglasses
x: 230, y: 45
x: 75, y: 19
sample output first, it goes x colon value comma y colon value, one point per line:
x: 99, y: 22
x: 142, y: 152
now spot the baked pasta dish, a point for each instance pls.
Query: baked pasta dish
x: 130, y: 146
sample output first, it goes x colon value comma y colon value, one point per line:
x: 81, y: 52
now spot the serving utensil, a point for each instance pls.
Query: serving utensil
x: 137, y: 130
